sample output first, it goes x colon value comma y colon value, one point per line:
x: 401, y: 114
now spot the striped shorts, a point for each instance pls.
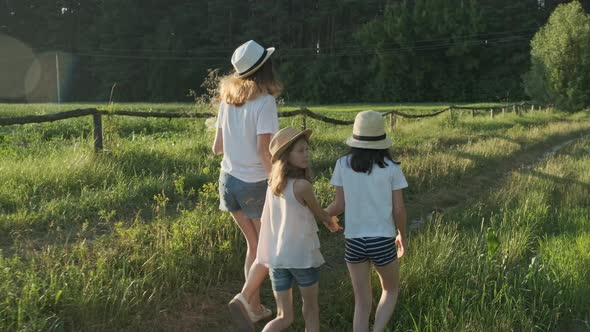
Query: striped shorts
x: 380, y: 250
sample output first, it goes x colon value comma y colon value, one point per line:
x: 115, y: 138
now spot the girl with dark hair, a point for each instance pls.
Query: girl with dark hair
x: 369, y: 187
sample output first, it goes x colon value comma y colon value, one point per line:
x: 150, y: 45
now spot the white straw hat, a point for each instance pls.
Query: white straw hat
x: 248, y: 57
x: 369, y: 132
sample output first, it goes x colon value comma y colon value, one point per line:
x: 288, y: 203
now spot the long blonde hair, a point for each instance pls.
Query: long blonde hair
x: 282, y: 171
x: 236, y: 91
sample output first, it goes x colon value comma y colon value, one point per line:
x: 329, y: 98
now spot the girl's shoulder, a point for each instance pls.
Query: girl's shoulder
x: 394, y: 168
x: 264, y: 103
x: 343, y: 161
x: 264, y: 98
x: 301, y: 185
x: 302, y: 188
x: 392, y: 163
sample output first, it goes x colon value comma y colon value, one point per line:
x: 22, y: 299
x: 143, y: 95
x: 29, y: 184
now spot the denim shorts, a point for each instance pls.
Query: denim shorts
x: 380, y: 250
x: 236, y: 195
x: 282, y: 279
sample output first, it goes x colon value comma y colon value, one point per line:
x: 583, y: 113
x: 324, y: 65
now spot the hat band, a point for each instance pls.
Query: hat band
x: 255, y: 64
x: 368, y: 138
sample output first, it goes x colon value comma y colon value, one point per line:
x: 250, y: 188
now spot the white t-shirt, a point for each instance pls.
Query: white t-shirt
x: 368, y: 198
x: 240, y: 126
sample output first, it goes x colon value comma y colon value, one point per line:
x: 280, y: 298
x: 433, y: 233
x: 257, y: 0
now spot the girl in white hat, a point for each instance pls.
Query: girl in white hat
x: 289, y: 245
x: 369, y: 187
x: 245, y: 124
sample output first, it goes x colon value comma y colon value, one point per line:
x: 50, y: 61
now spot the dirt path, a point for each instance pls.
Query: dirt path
x: 209, y: 312
x: 472, y: 186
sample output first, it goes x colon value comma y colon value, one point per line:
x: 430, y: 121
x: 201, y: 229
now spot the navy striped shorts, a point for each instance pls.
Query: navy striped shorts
x: 380, y: 250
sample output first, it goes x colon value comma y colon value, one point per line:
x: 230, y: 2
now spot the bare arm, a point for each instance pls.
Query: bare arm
x: 262, y: 143
x: 304, y: 192
x: 399, y: 216
x: 337, y: 206
x: 218, y: 142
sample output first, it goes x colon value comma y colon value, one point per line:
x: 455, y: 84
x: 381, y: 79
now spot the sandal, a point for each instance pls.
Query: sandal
x: 264, y: 314
x: 240, y: 313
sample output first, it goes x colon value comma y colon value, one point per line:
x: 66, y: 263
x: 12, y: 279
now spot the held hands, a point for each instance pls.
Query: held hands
x: 332, y: 224
x: 400, y: 243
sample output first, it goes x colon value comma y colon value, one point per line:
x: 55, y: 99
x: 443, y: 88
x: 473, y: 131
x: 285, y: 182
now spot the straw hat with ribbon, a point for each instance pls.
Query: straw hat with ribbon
x: 369, y: 132
x: 283, y: 139
x: 248, y: 57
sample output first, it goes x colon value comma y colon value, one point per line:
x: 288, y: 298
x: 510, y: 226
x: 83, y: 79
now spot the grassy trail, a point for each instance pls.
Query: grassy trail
x: 472, y: 185
x: 132, y: 239
x: 471, y: 189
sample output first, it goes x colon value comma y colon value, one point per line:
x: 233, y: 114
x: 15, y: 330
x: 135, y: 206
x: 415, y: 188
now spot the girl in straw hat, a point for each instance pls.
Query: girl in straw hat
x: 246, y: 121
x: 289, y: 244
x: 369, y: 191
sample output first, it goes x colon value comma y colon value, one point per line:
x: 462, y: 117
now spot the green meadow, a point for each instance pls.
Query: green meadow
x: 131, y: 238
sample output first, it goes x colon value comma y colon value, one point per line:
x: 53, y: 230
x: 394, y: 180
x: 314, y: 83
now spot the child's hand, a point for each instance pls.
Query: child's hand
x: 332, y: 224
x: 400, y: 243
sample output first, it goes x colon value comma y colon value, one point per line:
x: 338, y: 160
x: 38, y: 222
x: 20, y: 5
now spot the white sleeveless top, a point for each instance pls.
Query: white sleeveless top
x: 288, y: 233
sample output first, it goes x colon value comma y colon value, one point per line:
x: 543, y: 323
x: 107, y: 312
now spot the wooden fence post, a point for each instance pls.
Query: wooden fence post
x: 304, y: 123
x: 503, y: 110
x: 391, y: 121
x: 491, y: 113
x: 97, y: 119
x: 472, y: 113
x: 514, y: 108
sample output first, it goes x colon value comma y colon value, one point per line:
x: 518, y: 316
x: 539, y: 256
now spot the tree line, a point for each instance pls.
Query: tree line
x: 327, y: 50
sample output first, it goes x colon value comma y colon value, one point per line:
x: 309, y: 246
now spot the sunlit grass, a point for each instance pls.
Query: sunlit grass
x: 111, y: 241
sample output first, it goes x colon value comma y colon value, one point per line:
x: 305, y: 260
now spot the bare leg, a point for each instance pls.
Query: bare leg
x: 284, y: 312
x: 360, y: 275
x: 389, y: 275
x: 251, y: 229
x: 258, y: 273
x: 311, y: 308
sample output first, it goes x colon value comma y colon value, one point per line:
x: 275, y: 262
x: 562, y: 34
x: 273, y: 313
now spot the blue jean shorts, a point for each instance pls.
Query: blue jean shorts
x: 282, y: 279
x: 236, y: 195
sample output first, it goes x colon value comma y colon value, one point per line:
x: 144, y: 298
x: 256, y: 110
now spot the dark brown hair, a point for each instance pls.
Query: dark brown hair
x: 363, y: 160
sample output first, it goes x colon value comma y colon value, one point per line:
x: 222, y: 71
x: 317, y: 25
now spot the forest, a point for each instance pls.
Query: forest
x: 328, y: 51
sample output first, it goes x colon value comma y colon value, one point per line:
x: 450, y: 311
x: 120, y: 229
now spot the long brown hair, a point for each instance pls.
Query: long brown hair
x: 236, y: 91
x: 282, y: 170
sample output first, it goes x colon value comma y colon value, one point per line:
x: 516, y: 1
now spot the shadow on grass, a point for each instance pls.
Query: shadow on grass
x: 479, y: 183
x: 458, y: 141
x: 479, y: 126
x: 142, y: 162
x: 560, y: 180
x: 76, y: 214
x: 486, y: 126
x: 161, y: 128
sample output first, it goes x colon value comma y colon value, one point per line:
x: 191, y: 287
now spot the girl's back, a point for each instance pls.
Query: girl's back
x: 288, y: 236
x: 368, y: 197
x: 368, y: 190
x: 240, y: 126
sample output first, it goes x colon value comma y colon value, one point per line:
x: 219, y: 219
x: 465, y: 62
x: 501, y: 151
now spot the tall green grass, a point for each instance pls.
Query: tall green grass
x: 515, y: 260
x: 117, y: 240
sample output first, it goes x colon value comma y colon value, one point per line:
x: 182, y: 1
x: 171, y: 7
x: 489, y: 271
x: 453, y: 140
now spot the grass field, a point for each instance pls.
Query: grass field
x: 131, y: 238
